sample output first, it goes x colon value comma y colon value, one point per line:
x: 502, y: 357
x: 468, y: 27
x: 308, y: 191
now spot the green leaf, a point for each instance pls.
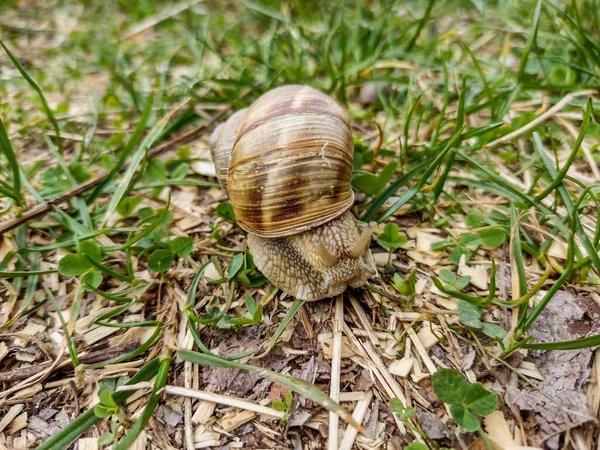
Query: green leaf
x: 93, y: 278
x: 156, y: 170
x: 106, y: 438
x: 73, y: 265
x: 493, y: 330
x: 471, y: 240
x: 225, y: 211
x: 391, y: 238
x: 462, y: 282
x: 492, y: 237
x: 126, y: 206
x: 473, y: 220
x: 79, y: 172
x: 447, y: 276
x: 250, y: 304
x: 102, y: 411
x: 145, y: 213
x: 464, y: 418
x: 469, y: 314
x: 480, y: 400
x: 54, y: 180
x: 457, y: 253
x: 182, y: 246
x: 235, y: 265
x: 416, y: 446
x: 160, y: 260
x: 279, y: 406
x: 181, y: 171
x: 90, y: 249
x: 403, y: 414
x: 406, y: 287
x: 372, y: 184
x: 449, y: 386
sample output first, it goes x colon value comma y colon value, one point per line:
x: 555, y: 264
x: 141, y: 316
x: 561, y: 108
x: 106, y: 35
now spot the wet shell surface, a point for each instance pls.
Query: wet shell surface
x: 291, y: 164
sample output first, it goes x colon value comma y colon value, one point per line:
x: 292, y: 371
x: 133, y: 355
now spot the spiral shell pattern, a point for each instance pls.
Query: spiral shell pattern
x: 291, y: 164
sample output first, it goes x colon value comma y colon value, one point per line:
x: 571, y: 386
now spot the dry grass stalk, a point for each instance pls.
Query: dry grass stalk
x: 336, y: 363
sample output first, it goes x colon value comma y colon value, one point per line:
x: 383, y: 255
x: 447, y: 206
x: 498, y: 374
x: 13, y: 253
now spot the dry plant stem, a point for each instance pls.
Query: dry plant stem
x: 210, y: 397
x: 48, y: 206
x: 336, y: 365
x: 189, y: 431
x: 534, y: 123
x: 359, y: 415
x: 91, y: 358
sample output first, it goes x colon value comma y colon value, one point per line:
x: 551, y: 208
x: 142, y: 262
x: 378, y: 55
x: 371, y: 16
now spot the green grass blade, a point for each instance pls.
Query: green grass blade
x: 531, y: 39
x: 140, y: 424
x: 133, y: 140
x: 378, y: 202
x: 138, y: 351
x: 460, y: 120
x: 297, y: 385
x: 11, y: 157
x: 136, y: 159
x: 412, y: 192
x: 70, y: 344
x: 590, y: 341
x: 87, y: 420
x: 25, y: 273
x: 566, y: 198
x: 528, y: 320
x: 558, y: 177
x: 39, y: 91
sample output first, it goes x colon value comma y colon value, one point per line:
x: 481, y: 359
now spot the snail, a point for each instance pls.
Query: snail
x: 286, y: 163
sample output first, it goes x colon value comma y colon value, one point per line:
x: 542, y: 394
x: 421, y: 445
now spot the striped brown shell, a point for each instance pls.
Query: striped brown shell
x: 291, y: 163
x: 221, y: 142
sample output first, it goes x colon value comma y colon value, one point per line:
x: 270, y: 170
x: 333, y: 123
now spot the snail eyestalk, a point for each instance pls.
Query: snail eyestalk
x: 326, y: 256
x: 363, y: 241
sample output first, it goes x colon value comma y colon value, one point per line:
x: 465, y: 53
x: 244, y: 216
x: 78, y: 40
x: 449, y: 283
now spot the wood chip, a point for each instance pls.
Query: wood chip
x: 498, y: 430
x: 18, y: 423
x: 32, y: 328
x: 28, y: 392
x: 422, y: 258
x: 10, y: 415
x: 478, y: 273
x: 204, y: 412
x: 88, y: 444
x: 3, y: 350
x: 401, y: 367
x: 204, y: 438
x: 234, y: 420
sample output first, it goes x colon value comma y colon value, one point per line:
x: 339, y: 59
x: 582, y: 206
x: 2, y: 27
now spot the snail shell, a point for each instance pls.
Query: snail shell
x: 221, y: 142
x: 291, y: 163
x: 286, y: 163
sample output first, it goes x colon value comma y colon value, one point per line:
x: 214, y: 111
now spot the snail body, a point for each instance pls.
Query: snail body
x: 288, y: 163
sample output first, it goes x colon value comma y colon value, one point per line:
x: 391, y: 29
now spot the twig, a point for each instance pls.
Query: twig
x: 210, y: 397
x: 336, y: 366
x: 50, y: 204
x: 93, y: 357
x: 359, y: 415
x: 534, y: 123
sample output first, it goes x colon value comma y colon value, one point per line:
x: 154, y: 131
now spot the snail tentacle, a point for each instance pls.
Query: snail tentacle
x: 363, y: 241
x: 327, y: 258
